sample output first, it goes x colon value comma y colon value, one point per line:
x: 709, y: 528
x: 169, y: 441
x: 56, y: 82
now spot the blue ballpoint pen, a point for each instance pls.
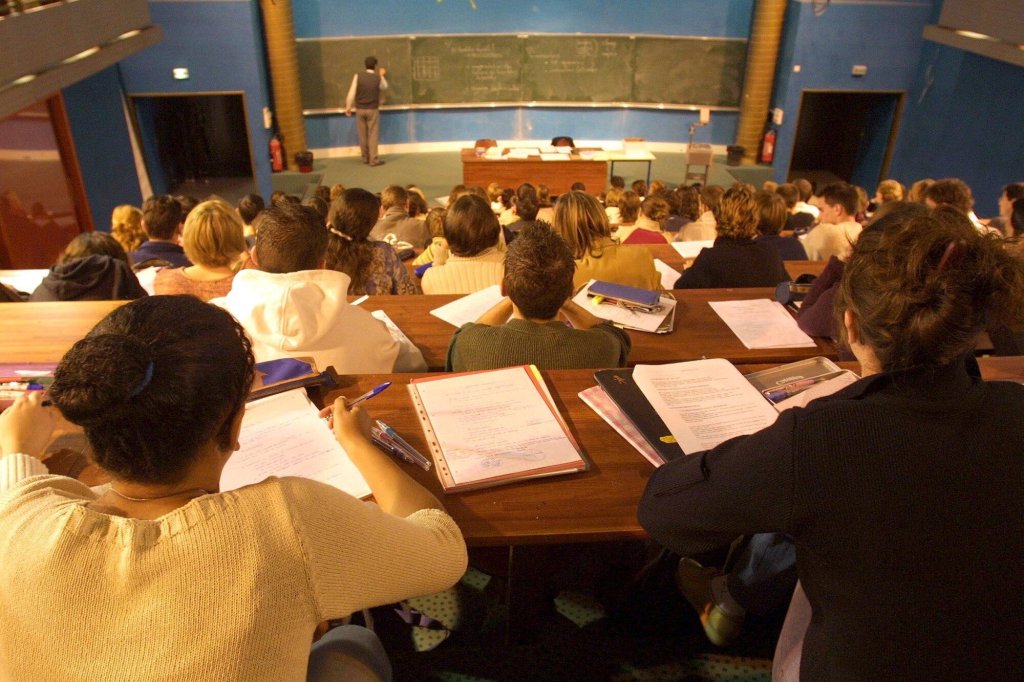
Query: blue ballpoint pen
x: 369, y: 394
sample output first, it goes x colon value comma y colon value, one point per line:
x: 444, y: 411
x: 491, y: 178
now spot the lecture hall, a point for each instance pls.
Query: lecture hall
x: 491, y: 340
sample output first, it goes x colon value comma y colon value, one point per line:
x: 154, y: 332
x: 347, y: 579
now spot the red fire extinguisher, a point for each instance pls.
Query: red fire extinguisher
x: 768, y: 146
x: 276, y: 154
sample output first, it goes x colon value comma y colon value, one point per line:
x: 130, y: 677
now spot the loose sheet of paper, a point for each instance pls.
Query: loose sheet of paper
x: 691, y: 249
x: 283, y: 435
x: 762, y: 323
x: 492, y: 424
x: 469, y: 308
x: 703, y: 402
x: 668, y: 274
x: 633, y: 319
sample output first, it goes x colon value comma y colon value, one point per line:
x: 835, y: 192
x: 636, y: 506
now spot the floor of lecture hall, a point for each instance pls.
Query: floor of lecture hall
x: 593, y: 622
x: 437, y: 172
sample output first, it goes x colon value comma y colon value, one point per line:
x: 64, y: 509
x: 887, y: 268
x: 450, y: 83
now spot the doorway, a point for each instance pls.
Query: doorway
x: 844, y: 135
x: 196, y: 144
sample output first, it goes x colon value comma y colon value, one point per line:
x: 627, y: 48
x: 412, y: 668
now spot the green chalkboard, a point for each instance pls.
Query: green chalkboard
x: 689, y: 71
x: 452, y: 69
x: 578, y: 69
x: 326, y: 67
x: 508, y: 69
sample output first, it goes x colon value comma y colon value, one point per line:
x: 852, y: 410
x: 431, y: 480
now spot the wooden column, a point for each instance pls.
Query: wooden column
x: 282, y: 54
x: 762, y: 57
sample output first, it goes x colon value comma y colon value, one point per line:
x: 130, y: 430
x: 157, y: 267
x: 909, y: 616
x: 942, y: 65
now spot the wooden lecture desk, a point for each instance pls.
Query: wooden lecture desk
x: 43, y: 332
x: 557, y: 175
x: 668, y: 255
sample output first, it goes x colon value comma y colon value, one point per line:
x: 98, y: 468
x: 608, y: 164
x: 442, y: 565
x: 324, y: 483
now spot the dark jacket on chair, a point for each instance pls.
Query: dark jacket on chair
x: 93, y: 278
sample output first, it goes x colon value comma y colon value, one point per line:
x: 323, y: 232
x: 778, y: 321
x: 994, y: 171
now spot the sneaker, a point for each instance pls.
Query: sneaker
x: 694, y: 582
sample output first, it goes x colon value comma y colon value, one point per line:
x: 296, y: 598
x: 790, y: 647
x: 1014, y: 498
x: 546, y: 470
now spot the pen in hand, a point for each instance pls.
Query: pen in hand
x: 329, y: 416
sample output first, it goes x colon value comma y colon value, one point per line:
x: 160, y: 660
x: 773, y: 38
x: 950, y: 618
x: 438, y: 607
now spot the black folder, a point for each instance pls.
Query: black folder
x: 620, y: 387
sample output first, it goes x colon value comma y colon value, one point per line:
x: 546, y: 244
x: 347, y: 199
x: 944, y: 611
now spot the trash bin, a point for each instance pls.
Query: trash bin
x: 304, y: 160
x: 734, y: 154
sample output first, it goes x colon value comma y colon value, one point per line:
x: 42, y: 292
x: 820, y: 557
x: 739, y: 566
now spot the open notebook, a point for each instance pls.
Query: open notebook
x: 493, y: 427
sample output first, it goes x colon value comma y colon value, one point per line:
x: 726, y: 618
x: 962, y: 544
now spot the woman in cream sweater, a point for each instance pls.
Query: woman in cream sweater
x: 583, y: 224
x: 476, y: 261
x: 158, y: 574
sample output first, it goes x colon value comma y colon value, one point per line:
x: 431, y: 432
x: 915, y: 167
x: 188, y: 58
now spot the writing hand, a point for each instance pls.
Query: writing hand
x: 27, y: 426
x: 350, y: 426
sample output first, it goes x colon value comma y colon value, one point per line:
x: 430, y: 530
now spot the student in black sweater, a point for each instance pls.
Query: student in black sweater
x: 903, y: 493
x: 735, y: 260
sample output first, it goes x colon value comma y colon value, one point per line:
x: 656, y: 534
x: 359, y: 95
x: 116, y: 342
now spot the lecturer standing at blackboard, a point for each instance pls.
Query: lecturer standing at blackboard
x: 364, y: 96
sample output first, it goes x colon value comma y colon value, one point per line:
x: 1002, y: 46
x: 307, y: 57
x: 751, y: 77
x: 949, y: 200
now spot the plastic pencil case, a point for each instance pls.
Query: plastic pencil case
x: 624, y: 294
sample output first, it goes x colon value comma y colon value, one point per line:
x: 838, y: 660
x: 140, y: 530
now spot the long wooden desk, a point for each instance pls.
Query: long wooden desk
x: 42, y: 332
x: 557, y: 175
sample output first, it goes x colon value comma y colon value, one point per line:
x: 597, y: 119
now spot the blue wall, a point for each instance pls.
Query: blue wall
x: 719, y: 18
x: 963, y: 120
x: 102, y: 144
x: 221, y: 43
x: 886, y: 37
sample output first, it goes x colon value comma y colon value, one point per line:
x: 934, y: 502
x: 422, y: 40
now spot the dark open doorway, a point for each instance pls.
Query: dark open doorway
x: 196, y: 144
x: 843, y: 135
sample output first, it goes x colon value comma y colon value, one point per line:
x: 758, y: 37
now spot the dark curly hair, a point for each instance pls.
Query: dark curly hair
x: 153, y: 382
x: 538, y: 271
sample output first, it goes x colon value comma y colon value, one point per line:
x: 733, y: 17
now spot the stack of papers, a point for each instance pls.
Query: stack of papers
x: 521, y: 152
x: 626, y: 317
x: 762, y: 323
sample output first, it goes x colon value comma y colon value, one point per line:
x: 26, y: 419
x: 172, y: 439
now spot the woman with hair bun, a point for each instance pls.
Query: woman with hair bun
x: 903, y: 493
x: 158, y: 574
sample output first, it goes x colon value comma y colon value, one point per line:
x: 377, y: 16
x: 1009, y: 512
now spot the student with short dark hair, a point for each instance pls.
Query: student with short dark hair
x: 538, y: 285
x: 292, y: 307
x: 837, y: 227
x: 373, y: 266
x: 395, y: 219
x: 159, y: 387
x: 527, y: 205
x: 772, y: 216
x: 473, y: 233
x: 162, y: 219
x: 248, y: 208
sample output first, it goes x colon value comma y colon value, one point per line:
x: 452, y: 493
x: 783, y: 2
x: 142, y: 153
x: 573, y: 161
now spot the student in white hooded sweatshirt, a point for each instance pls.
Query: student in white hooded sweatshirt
x: 291, y: 307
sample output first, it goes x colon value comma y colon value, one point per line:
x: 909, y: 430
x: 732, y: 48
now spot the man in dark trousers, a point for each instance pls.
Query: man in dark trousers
x: 364, y: 96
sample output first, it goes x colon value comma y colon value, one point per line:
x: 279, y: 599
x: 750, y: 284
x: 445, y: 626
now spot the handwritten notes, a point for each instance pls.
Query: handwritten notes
x: 283, y: 435
x: 762, y: 323
x: 704, y: 402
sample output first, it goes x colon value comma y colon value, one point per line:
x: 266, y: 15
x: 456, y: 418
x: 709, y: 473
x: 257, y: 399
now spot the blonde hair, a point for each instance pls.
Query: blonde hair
x: 581, y: 222
x: 919, y: 189
x: 890, y: 190
x: 737, y: 214
x: 213, y: 236
x: 612, y: 196
x: 126, y: 227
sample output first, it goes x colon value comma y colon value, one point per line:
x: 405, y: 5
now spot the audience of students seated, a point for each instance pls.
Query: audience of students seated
x: 373, y: 267
x: 131, y: 571
x: 837, y: 228
x: 472, y: 260
x: 162, y: 220
x: 435, y: 225
x: 93, y: 267
x: 538, y: 285
x: 688, y: 208
x: 584, y: 227
x: 735, y: 259
x: 292, y: 307
x: 248, y: 208
x: 881, y: 547
x: 126, y: 227
x: 213, y: 241
x: 797, y: 221
x: 772, y: 214
x: 526, y: 205
x: 702, y: 227
x: 395, y: 219
x: 647, y: 227
x: 629, y: 209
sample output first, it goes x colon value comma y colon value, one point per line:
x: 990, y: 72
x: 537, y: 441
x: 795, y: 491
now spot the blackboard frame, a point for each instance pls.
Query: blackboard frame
x: 305, y: 45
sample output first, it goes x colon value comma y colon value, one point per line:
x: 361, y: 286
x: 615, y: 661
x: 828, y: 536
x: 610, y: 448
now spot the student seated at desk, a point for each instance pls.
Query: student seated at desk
x: 158, y: 574
x: 538, y: 286
x: 584, y: 226
x: 373, y: 266
x: 435, y: 225
x: 93, y: 267
x: 473, y: 235
x: 213, y: 239
x: 647, y: 227
x: 735, y: 260
x: 771, y: 210
x: 902, y: 492
x: 162, y: 219
x: 292, y: 307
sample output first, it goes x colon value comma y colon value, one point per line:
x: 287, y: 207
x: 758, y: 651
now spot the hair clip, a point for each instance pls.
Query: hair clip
x: 952, y: 255
x: 339, y: 233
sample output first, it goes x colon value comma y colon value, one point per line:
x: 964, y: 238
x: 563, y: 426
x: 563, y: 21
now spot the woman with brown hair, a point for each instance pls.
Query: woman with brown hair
x: 373, y: 267
x: 647, y: 227
x: 735, y: 260
x: 126, y: 227
x: 584, y: 226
